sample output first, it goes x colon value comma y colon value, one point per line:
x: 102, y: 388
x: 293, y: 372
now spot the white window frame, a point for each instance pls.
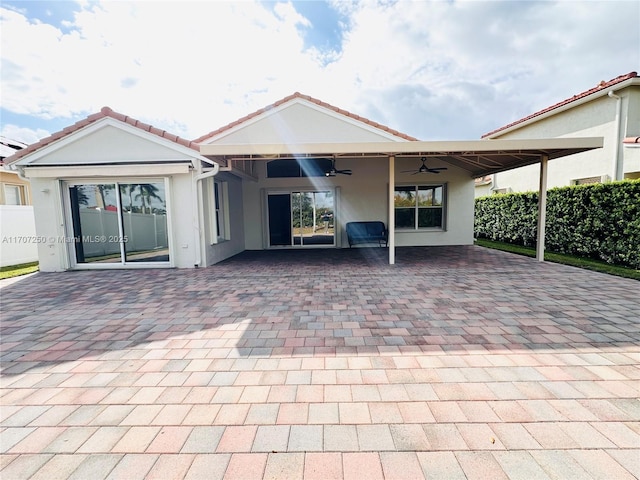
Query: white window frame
x: 590, y: 180
x: 69, y: 233
x: 219, y: 222
x: 20, y: 190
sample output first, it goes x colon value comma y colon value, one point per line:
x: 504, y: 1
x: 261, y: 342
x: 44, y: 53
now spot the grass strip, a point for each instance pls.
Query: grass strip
x: 574, y: 261
x: 17, y: 270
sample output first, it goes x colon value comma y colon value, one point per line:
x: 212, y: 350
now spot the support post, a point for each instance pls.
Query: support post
x: 392, y: 212
x: 542, y: 208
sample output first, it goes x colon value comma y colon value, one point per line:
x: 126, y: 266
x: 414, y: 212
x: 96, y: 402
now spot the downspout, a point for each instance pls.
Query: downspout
x: 197, y: 200
x: 616, y: 149
x: 20, y: 170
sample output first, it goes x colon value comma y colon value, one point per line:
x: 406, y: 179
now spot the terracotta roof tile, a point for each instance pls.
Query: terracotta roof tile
x: 312, y: 100
x: 601, y: 86
x: 94, y: 117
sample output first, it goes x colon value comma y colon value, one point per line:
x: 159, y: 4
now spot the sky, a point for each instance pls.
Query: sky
x: 436, y: 70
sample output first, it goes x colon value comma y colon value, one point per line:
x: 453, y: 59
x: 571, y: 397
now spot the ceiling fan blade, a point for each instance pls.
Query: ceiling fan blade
x: 344, y: 172
x: 407, y: 171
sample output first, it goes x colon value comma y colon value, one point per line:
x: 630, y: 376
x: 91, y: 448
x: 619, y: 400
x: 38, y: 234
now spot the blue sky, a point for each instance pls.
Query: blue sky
x: 434, y: 70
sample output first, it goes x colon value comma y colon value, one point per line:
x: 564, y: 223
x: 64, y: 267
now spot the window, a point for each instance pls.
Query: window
x: 220, y: 217
x: 300, y: 167
x: 590, y: 180
x: 14, y: 194
x: 419, y: 206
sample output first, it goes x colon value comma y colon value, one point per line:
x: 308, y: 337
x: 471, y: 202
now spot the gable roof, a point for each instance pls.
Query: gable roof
x: 600, y: 87
x: 103, y: 113
x: 309, y: 99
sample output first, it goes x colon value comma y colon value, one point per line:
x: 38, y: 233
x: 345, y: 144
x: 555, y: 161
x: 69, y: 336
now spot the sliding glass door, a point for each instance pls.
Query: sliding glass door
x: 96, y: 230
x: 301, y: 218
x: 119, y: 223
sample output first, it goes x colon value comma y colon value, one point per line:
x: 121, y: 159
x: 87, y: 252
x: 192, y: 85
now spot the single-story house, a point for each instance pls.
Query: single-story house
x: 113, y: 192
x: 610, y: 110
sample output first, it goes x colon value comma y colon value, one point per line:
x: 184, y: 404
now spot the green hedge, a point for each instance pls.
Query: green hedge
x: 600, y: 221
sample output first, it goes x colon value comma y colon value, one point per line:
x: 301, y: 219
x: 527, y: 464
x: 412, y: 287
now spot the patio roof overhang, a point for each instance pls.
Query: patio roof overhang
x: 478, y: 157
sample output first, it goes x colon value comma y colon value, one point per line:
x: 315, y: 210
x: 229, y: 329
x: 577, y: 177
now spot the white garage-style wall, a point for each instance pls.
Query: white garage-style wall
x: 111, y: 149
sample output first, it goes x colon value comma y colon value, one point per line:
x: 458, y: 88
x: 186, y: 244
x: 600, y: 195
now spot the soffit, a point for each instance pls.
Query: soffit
x: 478, y: 157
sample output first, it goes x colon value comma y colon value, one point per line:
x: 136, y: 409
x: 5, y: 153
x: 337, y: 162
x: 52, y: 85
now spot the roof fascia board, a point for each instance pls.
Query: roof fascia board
x: 96, y: 171
x: 307, y: 103
x: 567, y: 106
x: 99, y: 125
x: 404, y: 147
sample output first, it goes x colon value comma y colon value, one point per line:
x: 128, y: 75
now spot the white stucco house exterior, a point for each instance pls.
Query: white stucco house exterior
x: 112, y: 192
x: 610, y: 110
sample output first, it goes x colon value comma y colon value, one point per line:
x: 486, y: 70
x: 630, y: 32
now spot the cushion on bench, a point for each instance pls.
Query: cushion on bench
x: 366, y: 232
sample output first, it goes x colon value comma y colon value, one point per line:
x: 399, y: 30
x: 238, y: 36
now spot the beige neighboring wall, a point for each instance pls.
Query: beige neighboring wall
x: 11, y: 180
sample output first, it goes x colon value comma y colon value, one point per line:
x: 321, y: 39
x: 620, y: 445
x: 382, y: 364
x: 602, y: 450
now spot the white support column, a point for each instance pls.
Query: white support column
x: 392, y: 212
x: 542, y: 208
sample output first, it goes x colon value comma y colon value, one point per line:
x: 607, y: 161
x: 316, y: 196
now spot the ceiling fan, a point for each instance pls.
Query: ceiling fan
x: 424, y: 169
x: 333, y: 172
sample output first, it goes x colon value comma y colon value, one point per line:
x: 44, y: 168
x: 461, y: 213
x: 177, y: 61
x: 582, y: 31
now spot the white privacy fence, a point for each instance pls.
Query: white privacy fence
x: 19, y: 243
x: 142, y: 231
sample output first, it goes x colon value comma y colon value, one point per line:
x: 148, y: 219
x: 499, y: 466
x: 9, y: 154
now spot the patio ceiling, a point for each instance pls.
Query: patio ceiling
x: 478, y: 157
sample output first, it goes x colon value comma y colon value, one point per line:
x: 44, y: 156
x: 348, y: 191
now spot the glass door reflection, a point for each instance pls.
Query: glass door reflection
x: 144, y: 219
x: 95, y: 219
x: 119, y: 222
x: 312, y: 218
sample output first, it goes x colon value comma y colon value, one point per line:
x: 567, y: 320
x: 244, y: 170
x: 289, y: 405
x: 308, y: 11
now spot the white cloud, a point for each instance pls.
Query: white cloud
x: 23, y: 134
x: 172, y: 62
x: 452, y: 70
x: 430, y: 69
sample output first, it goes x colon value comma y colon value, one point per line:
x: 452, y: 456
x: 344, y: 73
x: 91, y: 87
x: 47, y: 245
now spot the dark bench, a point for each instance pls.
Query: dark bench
x: 366, y: 232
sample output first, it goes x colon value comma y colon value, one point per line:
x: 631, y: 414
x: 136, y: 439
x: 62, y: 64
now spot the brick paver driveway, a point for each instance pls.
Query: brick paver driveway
x: 458, y: 362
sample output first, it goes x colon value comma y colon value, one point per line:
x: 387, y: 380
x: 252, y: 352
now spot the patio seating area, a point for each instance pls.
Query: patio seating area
x: 456, y: 363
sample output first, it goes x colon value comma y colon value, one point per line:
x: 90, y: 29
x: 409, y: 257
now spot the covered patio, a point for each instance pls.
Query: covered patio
x: 456, y: 362
x: 475, y: 158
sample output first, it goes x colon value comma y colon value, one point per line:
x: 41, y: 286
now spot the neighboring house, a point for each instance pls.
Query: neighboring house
x: 13, y: 189
x: 17, y: 226
x: 113, y: 192
x: 610, y: 110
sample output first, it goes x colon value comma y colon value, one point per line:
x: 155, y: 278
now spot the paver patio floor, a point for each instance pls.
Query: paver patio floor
x: 457, y: 362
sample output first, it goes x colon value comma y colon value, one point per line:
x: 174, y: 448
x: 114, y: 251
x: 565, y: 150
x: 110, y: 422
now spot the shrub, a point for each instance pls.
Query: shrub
x: 600, y: 221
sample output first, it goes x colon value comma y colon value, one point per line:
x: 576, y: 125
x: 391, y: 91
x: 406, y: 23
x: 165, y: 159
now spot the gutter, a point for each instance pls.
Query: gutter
x: 20, y: 170
x: 197, y: 205
x: 616, y: 149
